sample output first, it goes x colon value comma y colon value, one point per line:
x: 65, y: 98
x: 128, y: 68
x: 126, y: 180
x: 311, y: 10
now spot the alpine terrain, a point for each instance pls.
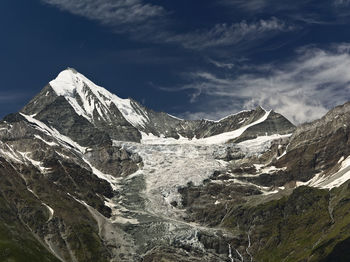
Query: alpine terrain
x: 88, y: 176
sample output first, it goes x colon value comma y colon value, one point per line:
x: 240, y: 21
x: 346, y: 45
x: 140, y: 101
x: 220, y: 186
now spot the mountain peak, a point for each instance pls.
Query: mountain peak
x: 94, y: 102
x: 67, y: 82
x: 72, y: 69
x: 260, y: 108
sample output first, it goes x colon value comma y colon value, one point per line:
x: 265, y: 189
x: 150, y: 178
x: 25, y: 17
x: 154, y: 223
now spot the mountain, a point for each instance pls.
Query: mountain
x: 88, y: 176
x: 72, y: 102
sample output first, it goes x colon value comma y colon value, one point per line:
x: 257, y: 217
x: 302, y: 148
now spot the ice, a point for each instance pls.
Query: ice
x: 167, y: 167
x: 151, y: 139
x: 261, y: 143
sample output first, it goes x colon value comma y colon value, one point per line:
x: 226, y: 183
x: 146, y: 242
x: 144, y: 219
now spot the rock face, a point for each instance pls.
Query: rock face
x: 88, y: 176
x: 318, y: 146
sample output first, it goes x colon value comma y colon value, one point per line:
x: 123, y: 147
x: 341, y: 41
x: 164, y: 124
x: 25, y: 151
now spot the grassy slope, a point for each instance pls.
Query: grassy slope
x: 299, y: 227
x: 17, y: 244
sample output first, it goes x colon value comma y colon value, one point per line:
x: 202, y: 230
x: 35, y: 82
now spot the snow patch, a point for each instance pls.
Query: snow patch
x: 261, y: 143
x: 151, y: 139
x: 50, y: 210
x: 332, y: 181
x: 176, y: 117
x: 64, y: 140
x: 268, y: 169
x: 46, y: 142
x: 341, y: 160
x: 10, y: 155
x: 109, y: 178
x: 225, y: 137
x: 339, y: 177
x: 39, y: 165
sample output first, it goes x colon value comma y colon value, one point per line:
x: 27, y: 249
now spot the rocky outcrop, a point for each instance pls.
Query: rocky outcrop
x: 274, y: 124
x: 53, y: 191
x: 56, y: 112
x: 318, y: 146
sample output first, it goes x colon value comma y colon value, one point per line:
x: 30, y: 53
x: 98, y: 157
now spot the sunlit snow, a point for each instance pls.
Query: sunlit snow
x: 73, y: 85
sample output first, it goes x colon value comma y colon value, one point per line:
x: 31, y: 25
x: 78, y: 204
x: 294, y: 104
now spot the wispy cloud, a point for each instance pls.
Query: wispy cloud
x: 221, y: 64
x: 147, y: 22
x: 261, y: 5
x: 306, y: 11
x: 252, y: 5
x: 231, y: 34
x: 117, y: 13
x: 302, y: 90
x: 341, y: 2
x: 10, y: 97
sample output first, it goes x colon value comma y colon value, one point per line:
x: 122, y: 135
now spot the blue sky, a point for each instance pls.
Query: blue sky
x: 193, y: 59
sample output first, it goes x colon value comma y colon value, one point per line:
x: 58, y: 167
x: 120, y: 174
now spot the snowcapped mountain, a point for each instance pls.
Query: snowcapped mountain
x: 88, y: 176
x: 72, y: 95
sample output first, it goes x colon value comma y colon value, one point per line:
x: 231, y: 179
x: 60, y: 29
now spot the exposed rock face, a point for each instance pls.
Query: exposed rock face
x: 274, y: 124
x: 88, y: 176
x: 57, y: 112
x: 48, y: 183
x: 318, y: 146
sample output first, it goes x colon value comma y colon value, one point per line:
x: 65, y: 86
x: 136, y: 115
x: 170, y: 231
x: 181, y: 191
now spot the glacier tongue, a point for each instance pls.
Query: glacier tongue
x: 169, y: 167
x: 86, y: 98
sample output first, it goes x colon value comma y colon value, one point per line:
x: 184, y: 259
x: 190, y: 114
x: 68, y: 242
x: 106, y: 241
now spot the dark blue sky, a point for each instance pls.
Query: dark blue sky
x: 190, y: 58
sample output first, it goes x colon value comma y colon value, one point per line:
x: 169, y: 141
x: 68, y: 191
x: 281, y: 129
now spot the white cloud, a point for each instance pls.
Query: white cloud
x: 269, y: 6
x: 111, y: 12
x: 303, y: 89
x: 341, y: 2
x: 148, y: 22
x: 221, y: 64
x: 252, y: 5
x: 231, y: 34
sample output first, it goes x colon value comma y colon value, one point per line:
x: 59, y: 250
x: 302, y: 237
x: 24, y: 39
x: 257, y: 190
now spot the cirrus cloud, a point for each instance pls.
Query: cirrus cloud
x: 303, y: 89
x: 231, y: 34
x: 148, y: 22
x: 120, y: 14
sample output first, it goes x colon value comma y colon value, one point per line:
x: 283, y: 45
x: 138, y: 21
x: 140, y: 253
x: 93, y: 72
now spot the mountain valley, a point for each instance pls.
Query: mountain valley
x: 88, y: 176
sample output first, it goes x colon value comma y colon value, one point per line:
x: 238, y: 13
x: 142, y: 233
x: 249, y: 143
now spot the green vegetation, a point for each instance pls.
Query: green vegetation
x: 17, y: 244
x: 309, y: 225
x: 86, y: 244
